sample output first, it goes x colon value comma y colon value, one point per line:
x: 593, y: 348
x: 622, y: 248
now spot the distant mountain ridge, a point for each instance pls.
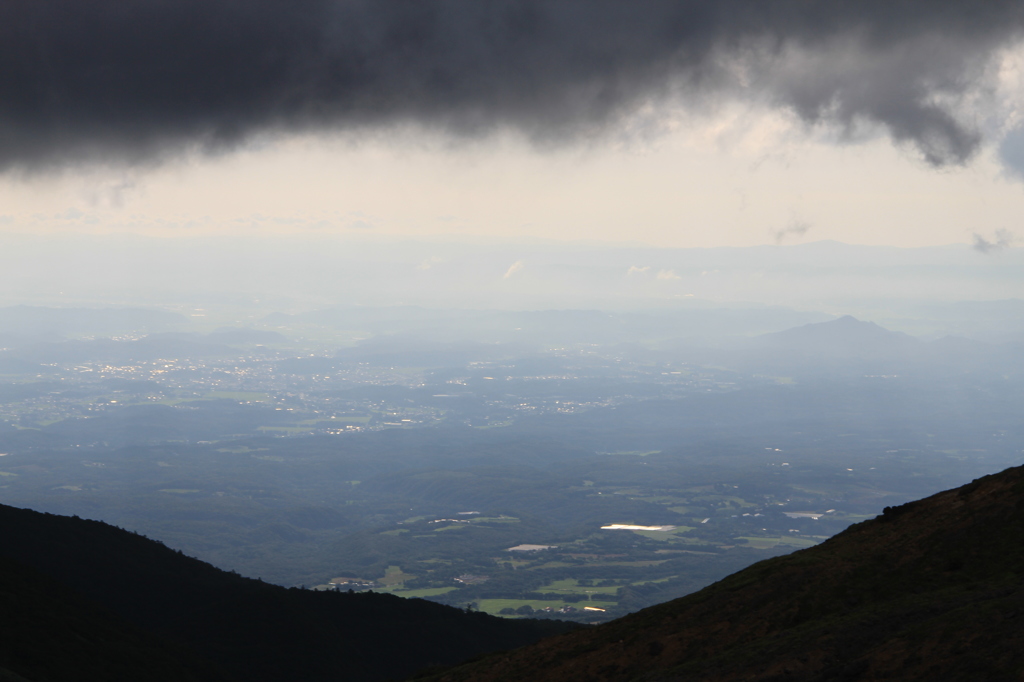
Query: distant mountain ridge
x: 33, y: 320
x: 849, y: 347
x: 24, y: 354
x: 843, y: 336
x: 930, y: 590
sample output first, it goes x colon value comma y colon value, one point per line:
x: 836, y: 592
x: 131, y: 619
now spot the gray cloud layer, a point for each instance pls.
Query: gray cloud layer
x: 131, y: 80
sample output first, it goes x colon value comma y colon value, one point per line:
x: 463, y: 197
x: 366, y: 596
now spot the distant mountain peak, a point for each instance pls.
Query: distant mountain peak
x: 844, y: 335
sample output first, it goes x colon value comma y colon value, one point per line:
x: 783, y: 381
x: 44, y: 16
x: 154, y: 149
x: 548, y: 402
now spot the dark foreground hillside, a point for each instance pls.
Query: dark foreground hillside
x: 931, y: 590
x: 48, y: 632
x: 85, y: 600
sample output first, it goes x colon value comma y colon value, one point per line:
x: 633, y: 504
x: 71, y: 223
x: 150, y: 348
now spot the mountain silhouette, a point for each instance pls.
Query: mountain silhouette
x: 846, y: 336
x: 86, y: 600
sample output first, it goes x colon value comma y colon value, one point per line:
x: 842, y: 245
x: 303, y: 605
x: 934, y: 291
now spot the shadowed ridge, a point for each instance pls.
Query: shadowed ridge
x: 48, y: 632
x: 253, y: 630
x: 929, y: 590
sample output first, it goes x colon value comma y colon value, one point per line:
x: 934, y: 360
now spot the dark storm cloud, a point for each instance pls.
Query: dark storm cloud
x: 136, y: 79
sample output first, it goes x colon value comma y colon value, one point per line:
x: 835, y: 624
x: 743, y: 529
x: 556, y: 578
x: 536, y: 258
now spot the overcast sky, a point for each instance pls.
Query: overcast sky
x: 667, y: 123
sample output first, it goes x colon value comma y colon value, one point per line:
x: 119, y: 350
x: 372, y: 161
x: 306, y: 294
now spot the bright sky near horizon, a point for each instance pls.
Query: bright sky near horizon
x: 844, y: 121
x: 695, y: 187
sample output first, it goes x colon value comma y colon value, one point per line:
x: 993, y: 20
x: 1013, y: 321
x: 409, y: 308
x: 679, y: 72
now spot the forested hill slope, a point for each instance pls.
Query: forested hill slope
x: 930, y: 590
x: 118, y: 595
